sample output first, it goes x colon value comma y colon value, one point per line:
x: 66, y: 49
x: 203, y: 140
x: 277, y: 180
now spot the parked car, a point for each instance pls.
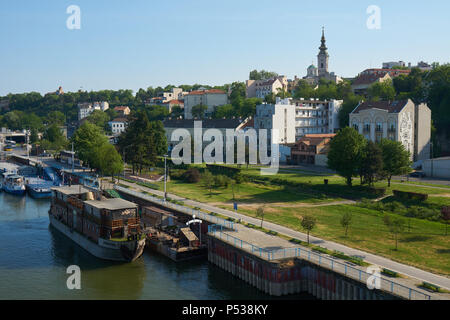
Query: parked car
x: 417, y: 174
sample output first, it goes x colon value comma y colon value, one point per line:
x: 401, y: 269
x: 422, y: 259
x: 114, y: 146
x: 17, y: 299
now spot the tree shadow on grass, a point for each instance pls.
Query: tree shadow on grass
x: 415, y: 238
x: 443, y: 251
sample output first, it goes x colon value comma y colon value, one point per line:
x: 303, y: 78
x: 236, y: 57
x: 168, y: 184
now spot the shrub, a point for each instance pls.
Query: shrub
x: 191, y: 175
x: 378, y: 192
x: 390, y: 273
x: 410, y: 195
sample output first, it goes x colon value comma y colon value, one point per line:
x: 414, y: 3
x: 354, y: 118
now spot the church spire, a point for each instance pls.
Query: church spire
x: 323, y: 46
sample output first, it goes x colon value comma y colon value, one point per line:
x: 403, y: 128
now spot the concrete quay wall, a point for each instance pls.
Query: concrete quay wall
x: 288, y: 276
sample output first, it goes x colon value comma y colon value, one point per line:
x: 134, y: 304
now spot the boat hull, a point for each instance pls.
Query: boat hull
x: 14, y: 192
x: 40, y: 195
x: 106, y: 250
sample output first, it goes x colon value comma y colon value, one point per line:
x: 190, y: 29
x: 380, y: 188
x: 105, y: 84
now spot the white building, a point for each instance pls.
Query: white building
x: 118, y: 125
x: 316, y: 116
x: 85, y: 109
x: 280, y: 117
x: 209, y: 98
x: 396, y: 120
x: 261, y: 88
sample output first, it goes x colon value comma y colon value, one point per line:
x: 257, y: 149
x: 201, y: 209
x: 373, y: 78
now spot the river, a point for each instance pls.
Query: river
x: 34, y: 258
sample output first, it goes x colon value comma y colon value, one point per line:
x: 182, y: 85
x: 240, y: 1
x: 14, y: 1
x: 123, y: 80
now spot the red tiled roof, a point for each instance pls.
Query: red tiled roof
x: 320, y: 135
x: 173, y: 102
x: 120, y: 108
x: 120, y: 120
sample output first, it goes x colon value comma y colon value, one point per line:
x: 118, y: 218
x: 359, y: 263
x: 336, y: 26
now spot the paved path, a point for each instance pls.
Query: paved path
x: 410, y: 271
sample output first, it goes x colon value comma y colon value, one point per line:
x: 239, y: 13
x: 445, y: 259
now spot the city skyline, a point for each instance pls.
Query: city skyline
x: 155, y: 44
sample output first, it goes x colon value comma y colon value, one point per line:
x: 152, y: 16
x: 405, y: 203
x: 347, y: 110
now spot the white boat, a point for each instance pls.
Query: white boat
x: 13, y: 183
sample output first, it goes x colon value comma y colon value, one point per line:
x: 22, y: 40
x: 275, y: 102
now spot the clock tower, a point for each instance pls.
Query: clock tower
x: 322, y: 57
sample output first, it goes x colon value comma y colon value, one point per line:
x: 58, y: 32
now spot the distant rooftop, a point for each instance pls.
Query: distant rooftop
x: 112, y: 204
x: 390, y: 106
x: 71, y: 190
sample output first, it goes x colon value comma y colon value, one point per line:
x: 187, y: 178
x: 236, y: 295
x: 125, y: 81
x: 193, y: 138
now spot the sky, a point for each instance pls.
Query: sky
x: 140, y: 43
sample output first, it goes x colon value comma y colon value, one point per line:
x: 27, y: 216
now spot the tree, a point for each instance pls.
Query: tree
x: 145, y: 138
x: 177, y: 112
x: 87, y: 139
x: 56, y: 117
x: 346, y: 221
x: 396, y: 159
x: 345, y: 153
x: 53, y: 139
x: 395, y: 226
x: 372, y: 163
x: 262, y: 75
x: 238, y: 93
x: 226, y: 111
x: 199, y: 110
x: 349, y: 104
x: 208, y: 180
x: 99, y: 118
x: 382, y: 91
x: 109, y: 160
x: 270, y: 98
x: 308, y: 223
x: 260, y: 214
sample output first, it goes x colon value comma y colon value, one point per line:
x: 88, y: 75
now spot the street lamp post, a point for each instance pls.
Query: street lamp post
x: 431, y: 146
x: 165, y: 177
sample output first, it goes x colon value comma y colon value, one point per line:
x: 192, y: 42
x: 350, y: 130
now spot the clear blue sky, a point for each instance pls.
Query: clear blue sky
x: 139, y: 43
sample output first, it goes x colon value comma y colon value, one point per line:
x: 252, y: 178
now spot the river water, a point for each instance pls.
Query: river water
x: 34, y: 258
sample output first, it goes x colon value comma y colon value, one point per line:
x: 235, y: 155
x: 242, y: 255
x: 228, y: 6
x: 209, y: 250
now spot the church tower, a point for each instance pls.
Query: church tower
x: 323, y: 57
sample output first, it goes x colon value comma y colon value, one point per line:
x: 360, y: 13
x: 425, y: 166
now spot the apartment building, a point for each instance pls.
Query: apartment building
x: 210, y: 98
x: 118, y: 125
x: 86, y: 108
x: 316, y: 116
x: 279, y: 116
x: 400, y: 120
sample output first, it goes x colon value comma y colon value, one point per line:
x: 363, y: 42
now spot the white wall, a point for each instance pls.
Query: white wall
x: 440, y: 166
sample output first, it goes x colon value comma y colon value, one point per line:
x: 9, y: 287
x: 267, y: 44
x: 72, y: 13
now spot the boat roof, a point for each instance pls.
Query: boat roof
x: 111, y: 204
x: 73, y: 189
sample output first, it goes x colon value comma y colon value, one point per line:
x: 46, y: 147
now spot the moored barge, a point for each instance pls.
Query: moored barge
x: 107, y: 228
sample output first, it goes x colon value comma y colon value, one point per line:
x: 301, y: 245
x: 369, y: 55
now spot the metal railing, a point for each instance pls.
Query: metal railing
x: 324, y: 261
x: 198, y: 214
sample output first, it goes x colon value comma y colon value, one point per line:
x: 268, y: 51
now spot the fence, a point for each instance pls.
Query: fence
x: 324, y: 261
x: 198, y: 214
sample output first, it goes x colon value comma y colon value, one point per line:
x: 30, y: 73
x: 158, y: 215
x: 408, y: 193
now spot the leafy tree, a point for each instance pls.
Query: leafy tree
x: 249, y: 107
x: 270, y: 98
x: 86, y: 139
x: 199, y: 110
x: 372, y: 163
x: 56, y: 117
x: 225, y: 111
x: 349, y: 104
x: 304, y: 90
x: 382, y: 91
x: 238, y: 93
x: 396, y: 160
x: 53, y: 139
x: 346, y: 221
x: 345, y: 154
x: 109, y: 160
x: 143, y: 141
x: 99, y: 118
x: 177, y: 112
x: 157, y: 112
x: 262, y: 75
x: 308, y: 223
x: 208, y: 180
x: 283, y: 94
x: 395, y: 226
x: 260, y: 214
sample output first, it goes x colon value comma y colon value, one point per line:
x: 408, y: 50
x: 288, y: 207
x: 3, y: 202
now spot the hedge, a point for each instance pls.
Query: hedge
x: 410, y: 195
